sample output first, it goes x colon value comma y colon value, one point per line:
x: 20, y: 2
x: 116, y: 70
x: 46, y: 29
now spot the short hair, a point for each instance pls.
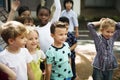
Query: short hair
x: 43, y: 7
x: 12, y: 29
x: 66, y: 1
x: 107, y: 23
x: 64, y: 19
x: 55, y: 25
x: 21, y: 9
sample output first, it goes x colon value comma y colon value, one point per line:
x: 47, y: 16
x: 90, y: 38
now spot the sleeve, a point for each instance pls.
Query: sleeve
x: 57, y: 11
x: 43, y: 56
x: 49, y: 57
x: 28, y: 56
x: 74, y: 39
x: 117, y: 32
x: 93, y: 32
x: 75, y: 20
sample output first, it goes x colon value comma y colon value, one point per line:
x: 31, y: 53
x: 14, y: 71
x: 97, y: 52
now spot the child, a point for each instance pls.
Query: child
x: 6, y: 73
x: 105, y: 61
x: 43, y: 14
x: 23, y: 11
x: 37, y: 54
x: 71, y: 15
x: 72, y: 41
x: 58, y: 65
x: 27, y: 21
x: 15, y: 56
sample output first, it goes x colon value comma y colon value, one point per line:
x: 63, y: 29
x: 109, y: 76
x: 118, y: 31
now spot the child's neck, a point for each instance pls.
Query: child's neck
x: 13, y: 50
x: 31, y: 50
x: 57, y: 45
x: 68, y: 10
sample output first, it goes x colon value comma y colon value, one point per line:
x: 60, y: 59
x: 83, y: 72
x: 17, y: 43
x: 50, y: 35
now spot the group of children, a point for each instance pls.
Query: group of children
x: 53, y: 42
x: 27, y: 46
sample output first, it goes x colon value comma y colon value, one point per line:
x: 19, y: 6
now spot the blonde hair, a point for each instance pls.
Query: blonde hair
x: 32, y: 29
x: 12, y: 29
x: 107, y: 23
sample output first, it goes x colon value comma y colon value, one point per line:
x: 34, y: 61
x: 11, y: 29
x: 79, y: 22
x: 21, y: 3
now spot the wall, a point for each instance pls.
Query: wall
x: 118, y: 5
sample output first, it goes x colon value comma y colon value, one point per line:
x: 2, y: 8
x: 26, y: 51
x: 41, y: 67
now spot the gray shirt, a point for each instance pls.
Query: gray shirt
x: 104, y: 59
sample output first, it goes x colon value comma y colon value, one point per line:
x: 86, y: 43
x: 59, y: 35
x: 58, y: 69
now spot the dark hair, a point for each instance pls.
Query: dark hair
x: 23, y: 19
x: 57, y: 25
x: 66, y: 1
x: 64, y: 19
x: 22, y: 9
x: 43, y: 7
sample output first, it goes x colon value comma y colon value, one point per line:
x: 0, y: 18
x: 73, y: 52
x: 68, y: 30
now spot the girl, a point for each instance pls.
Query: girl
x: 43, y: 15
x: 37, y: 54
x: 105, y: 61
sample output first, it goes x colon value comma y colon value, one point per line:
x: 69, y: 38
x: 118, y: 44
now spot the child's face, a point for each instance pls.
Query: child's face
x: 18, y: 42
x: 32, y: 40
x: 68, y: 5
x: 43, y: 16
x: 108, y: 32
x: 28, y: 23
x: 26, y: 14
x: 60, y: 35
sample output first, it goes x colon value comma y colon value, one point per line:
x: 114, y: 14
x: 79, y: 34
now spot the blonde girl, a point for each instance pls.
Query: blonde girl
x: 35, y: 51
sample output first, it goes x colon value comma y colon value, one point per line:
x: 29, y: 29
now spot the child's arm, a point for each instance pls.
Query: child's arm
x: 57, y: 12
x: 48, y: 71
x: 73, y: 47
x: 97, y: 23
x: 11, y: 74
x: 76, y: 32
x: 30, y: 72
x: 15, y: 4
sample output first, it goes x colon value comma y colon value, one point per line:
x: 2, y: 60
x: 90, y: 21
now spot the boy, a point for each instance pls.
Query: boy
x: 58, y: 65
x: 15, y: 56
x: 72, y: 41
x: 71, y: 15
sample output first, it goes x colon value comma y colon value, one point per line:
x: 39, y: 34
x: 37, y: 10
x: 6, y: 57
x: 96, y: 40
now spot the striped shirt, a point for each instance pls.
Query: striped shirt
x: 104, y: 59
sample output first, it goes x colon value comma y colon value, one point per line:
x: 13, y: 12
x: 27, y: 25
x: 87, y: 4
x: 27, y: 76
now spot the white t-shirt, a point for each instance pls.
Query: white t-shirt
x: 45, y: 38
x: 17, y: 62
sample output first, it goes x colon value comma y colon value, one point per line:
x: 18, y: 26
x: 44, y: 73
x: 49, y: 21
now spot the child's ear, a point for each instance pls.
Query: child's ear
x: 10, y: 41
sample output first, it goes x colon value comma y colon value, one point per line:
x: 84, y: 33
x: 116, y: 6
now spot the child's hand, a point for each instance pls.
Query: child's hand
x: 102, y: 19
x: 15, y: 4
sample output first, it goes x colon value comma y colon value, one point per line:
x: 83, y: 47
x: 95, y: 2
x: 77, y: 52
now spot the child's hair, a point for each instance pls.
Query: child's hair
x: 22, y: 9
x: 43, y: 7
x: 12, y: 29
x: 66, y: 1
x: 57, y: 25
x: 24, y: 19
x: 64, y: 19
x: 107, y: 23
x: 30, y: 29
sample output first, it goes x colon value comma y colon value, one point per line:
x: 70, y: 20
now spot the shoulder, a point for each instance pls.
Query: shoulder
x: 66, y: 44
x: 2, y: 53
x: 63, y: 11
